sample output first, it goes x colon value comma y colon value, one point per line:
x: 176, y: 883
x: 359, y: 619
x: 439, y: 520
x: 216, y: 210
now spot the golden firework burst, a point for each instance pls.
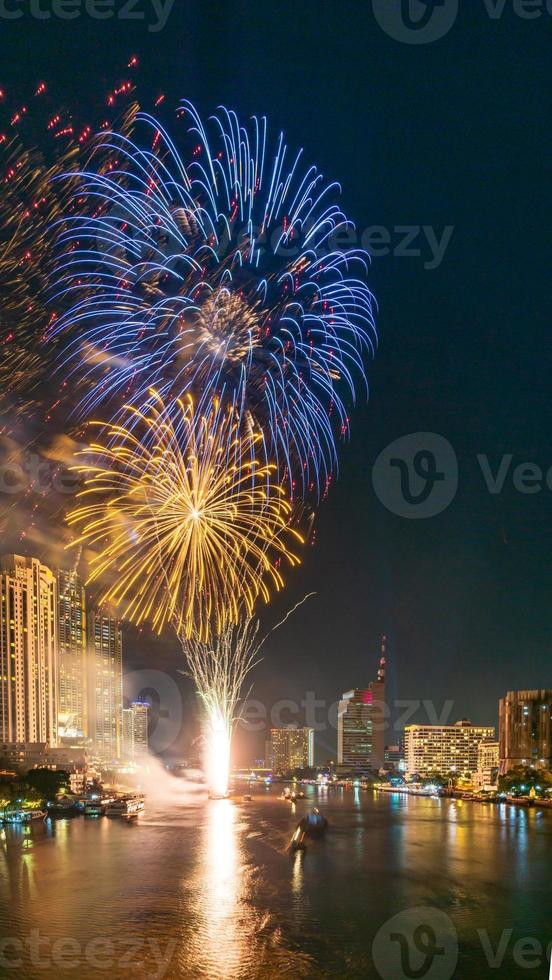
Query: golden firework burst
x: 182, y: 517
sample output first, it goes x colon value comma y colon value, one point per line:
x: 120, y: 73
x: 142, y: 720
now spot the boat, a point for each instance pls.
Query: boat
x: 127, y: 807
x: 297, y: 842
x: 23, y: 816
x: 218, y: 796
x: 62, y: 808
x: 247, y: 798
x: 96, y: 807
x: 314, y: 824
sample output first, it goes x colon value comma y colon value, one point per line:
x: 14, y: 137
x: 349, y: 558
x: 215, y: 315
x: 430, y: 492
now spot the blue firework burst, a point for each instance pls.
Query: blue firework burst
x: 221, y: 274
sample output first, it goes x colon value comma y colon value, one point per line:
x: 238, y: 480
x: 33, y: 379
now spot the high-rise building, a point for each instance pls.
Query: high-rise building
x: 444, y: 748
x: 135, y: 730
x: 28, y: 651
x: 525, y: 729
x: 291, y: 748
x: 361, y: 724
x: 105, y: 683
x: 72, y: 700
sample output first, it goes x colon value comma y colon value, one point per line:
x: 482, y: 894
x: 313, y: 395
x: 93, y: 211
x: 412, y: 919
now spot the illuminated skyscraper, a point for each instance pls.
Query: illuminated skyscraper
x: 291, y: 748
x: 525, y: 729
x: 105, y: 683
x: 361, y: 723
x: 28, y: 651
x: 135, y: 730
x: 72, y: 701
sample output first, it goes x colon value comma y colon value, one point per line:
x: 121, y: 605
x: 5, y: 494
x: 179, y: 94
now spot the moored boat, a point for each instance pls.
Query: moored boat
x: 96, y: 806
x: 127, y: 807
x: 62, y: 808
x: 22, y: 815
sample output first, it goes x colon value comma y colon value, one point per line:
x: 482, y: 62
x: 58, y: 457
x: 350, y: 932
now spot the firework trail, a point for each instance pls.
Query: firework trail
x: 219, y: 669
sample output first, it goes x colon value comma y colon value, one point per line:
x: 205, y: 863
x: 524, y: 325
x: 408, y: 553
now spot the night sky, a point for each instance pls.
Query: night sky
x: 451, y: 133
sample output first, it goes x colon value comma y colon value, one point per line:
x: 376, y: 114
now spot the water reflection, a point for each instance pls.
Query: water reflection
x: 220, y: 939
x: 297, y: 873
x: 214, y: 885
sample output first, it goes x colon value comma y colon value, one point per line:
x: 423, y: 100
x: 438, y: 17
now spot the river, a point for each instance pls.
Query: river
x: 400, y: 887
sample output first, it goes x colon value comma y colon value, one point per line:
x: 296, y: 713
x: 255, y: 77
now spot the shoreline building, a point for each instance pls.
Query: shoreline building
x: 291, y: 748
x: 487, y: 763
x: 135, y: 730
x: 361, y: 723
x: 525, y: 729
x: 105, y: 684
x: 28, y: 651
x: 72, y: 700
x: 445, y: 748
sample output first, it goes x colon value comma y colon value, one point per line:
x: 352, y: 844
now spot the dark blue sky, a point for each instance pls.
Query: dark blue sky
x: 451, y: 133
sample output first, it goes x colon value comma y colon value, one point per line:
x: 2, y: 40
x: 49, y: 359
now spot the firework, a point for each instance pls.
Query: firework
x: 39, y: 142
x: 219, y: 669
x: 222, y: 270
x: 185, y: 517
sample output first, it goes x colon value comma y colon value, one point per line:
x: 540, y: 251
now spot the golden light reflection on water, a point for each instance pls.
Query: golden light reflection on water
x: 297, y: 874
x: 221, y: 942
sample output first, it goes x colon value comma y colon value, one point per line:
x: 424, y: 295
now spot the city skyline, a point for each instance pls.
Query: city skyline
x: 83, y: 695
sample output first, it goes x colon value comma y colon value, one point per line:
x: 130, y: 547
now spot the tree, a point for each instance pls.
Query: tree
x: 47, y: 782
x: 521, y: 780
x: 440, y: 779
